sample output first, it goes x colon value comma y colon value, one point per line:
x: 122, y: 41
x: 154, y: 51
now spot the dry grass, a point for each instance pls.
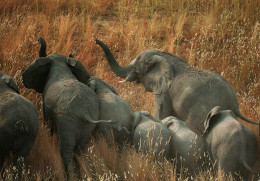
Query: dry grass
x: 218, y: 35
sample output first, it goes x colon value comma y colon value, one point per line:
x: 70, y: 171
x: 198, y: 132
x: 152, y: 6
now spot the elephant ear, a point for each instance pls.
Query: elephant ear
x: 92, y: 84
x: 210, y: 118
x: 78, y: 70
x: 168, y: 121
x: 10, y: 81
x: 158, y: 74
x: 34, y: 77
x: 136, y: 119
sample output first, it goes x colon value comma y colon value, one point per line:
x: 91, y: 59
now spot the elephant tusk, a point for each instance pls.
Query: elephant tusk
x: 122, y: 81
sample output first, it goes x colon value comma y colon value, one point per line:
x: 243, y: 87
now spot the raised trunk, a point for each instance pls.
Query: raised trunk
x: 42, y: 50
x: 116, y: 68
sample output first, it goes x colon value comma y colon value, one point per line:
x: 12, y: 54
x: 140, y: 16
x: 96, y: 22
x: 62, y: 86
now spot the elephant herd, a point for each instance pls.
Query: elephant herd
x: 195, y: 112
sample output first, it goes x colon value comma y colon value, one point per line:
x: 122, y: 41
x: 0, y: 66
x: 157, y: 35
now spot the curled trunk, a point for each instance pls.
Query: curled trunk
x: 116, y: 68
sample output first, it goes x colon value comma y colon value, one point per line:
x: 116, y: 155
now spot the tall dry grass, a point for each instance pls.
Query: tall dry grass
x: 218, y: 35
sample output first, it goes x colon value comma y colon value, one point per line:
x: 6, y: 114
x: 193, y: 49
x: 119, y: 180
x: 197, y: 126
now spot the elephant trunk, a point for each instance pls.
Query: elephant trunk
x: 42, y: 50
x: 116, y: 68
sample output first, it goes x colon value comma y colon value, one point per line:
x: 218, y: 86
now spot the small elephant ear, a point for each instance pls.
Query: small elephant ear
x: 168, y: 121
x: 78, y: 70
x: 158, y: 74
x: 92, y: 84
x: 209, y: 120
x: 10, y: 81
x: 34, y: 77
x: 136, y: 119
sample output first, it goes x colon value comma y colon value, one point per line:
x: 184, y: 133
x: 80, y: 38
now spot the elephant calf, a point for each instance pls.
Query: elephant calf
x: 186, y: 146
x: 111, y: 107
x: 70, y: 105
x: 150, y: 135
x: 231, y: 143
x: 18, y: 122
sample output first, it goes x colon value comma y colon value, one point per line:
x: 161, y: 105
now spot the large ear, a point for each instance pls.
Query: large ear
x: 10, y: 81
x: 78, y: 70
x: 158, y: 74
x: 34, y: 77
x: 209, y: 120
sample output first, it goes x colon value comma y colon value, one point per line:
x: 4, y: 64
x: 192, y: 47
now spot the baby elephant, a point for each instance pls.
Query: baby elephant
x: 18, y: 122
x: 186, y: 147
x: 111, y: 107
x: 150, y: 135
x: 232, y: 144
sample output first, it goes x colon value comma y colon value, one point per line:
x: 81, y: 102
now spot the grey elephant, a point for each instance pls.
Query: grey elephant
x: 187, y: 148
x: 179, y: 89
x: 70, y: 105
x: 18, y: 122
x: 150, y: 136
x: 111, y: 107
x: 232, y: 144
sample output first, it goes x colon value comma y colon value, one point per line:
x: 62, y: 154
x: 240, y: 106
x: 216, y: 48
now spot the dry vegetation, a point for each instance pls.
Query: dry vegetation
x: 218, y: 35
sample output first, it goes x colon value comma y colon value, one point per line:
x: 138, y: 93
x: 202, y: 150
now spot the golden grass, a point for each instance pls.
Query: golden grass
x: 218, y: 35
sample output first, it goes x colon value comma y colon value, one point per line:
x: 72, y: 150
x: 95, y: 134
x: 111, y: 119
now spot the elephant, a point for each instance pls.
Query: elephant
x: 18, y: 122
x: 187, y: 148
x: 179, y: 89
x: 232, y: 145
x: 111, y: 107
x: 150, y: 136
x: 70, y: 105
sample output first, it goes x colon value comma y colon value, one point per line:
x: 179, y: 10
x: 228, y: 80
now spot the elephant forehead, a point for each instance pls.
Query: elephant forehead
x: 147, y: 53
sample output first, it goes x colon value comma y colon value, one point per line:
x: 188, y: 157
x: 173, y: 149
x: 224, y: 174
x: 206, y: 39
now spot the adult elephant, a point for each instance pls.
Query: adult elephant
x: 179, y: 89
x: 18, y: 122
x: 70, y: 105
x: 111, y: 107
x: 232, y: 144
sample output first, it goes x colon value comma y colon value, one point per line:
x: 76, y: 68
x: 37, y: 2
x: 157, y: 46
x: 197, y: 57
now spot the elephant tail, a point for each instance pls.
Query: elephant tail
x: 248, y: 167
x: 238, y: 114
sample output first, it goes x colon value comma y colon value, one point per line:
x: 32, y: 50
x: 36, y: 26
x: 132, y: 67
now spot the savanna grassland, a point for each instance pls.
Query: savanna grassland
x: 219, y: 35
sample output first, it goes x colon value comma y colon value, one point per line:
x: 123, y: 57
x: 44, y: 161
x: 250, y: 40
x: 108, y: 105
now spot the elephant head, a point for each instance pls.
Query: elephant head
x: 149, y: 68
x: 96, y: 83
x: 9, y: 81
x: 212, y: 117
x: 139, y: 116
x: 36, y: 74
x: 173, y: 122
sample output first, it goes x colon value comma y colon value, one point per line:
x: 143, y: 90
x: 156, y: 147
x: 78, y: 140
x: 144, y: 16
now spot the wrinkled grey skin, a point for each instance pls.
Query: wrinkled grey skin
x: 18, y: 122
x: 111, y: 107
x: 150, y: 135
x: 186, y: 146
x: 231, y: 143
x: 179, y: 89
x: 70, y: 105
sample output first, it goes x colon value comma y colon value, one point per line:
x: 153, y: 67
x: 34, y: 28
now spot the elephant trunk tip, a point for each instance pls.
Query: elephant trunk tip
x: 42, y: 50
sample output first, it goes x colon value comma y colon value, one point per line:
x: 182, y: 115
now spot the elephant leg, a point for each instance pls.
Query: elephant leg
x: 163, y: 107
x: 2, y: 159
x: 21, y: 150
x: 67, y: 143
x: 76, y: 158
